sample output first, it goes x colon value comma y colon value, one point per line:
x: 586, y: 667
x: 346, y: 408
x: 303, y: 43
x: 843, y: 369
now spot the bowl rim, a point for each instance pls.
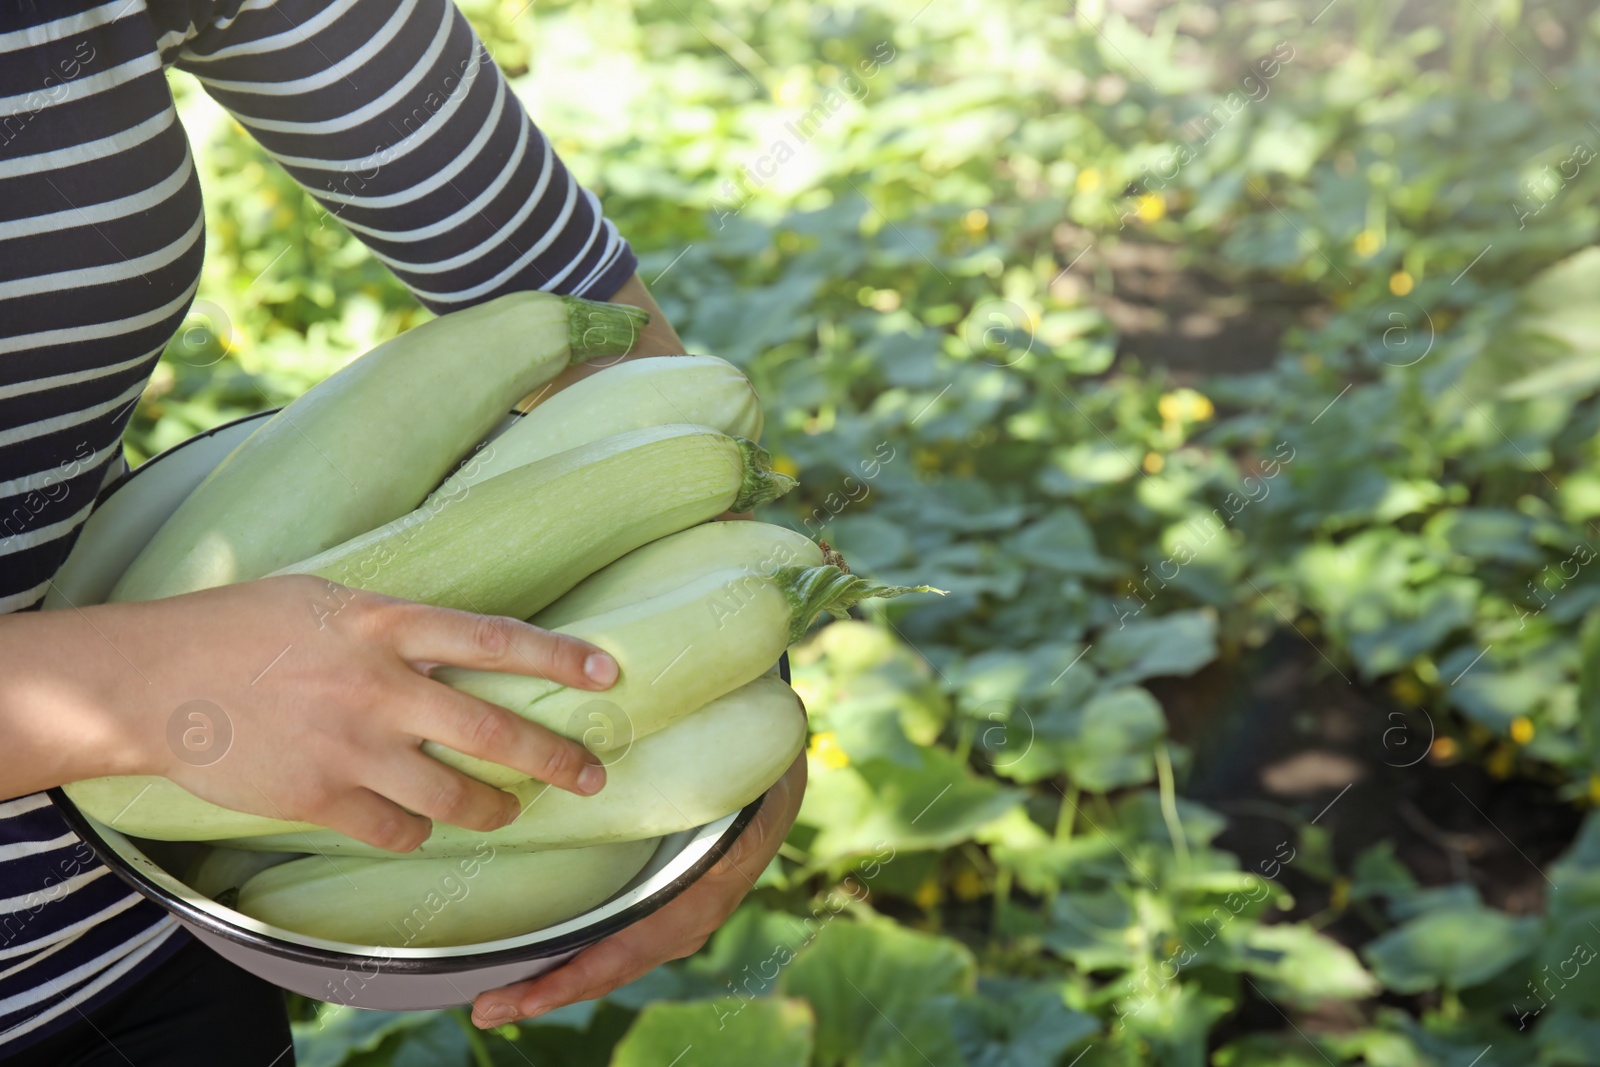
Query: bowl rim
x: 444, y: 963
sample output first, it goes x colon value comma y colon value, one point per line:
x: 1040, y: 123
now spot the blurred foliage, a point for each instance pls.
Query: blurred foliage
x: 877, y: 209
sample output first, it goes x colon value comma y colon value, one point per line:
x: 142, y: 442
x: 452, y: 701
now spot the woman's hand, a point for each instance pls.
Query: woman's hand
x: 677, y: 930
x: 658, y: 338
x: 322, y: 697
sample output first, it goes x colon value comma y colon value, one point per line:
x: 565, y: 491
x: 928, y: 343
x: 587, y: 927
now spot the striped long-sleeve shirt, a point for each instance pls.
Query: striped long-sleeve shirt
x: 395, y: 117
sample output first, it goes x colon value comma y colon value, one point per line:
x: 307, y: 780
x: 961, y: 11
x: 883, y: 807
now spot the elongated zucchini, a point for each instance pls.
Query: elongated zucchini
x: 367, y: 443
x: 675, y: 652
x: 513, y: 544
x: 679, y: 559
x: 658, y: 391
x: 695, y: 771
x: 483, y: 896
x: 219, y: 873
x: 147, y: 805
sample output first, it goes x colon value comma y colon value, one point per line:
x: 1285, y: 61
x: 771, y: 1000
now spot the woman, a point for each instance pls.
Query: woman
x: 393, y: 115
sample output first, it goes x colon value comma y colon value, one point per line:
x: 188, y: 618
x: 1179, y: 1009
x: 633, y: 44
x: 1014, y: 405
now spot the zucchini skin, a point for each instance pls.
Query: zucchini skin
x: 513, y: 544
x: 655, y: 391
x: 147, y: 805
x: 367, y: 443
x: 217, y: 870
x: 483, y: 896
x: 696, y: 771
x: 679, y: 559
x: 675, y: 653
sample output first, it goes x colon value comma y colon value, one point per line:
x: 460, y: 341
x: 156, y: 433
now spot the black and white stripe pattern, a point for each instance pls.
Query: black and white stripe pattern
x: 394, y: 116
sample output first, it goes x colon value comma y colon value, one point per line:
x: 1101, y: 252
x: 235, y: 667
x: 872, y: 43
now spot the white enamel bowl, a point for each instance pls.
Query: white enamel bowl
x: 394, y: 979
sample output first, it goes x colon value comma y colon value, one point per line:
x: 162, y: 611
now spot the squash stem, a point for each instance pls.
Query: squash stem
x: 813, y: 590
x: 597, y: 329
x: 761, y: 484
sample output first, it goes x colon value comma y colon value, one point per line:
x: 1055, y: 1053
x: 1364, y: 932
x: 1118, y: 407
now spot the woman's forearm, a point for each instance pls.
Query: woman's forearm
x: 70, y: 704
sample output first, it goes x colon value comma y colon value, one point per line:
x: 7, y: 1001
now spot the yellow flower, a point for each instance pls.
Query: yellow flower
x: 1594, y: 788
x: 1151, y: 207
x: 825, y: 749
x: 1185, y: 405
x: 975, y: 221
x: 927, y: 895
x: 1408, y: 689
x: 1501, y: 762
x: 1153, y: 462
x: 1401, y: 283
x: 1366, y: 243
x: 785, y: 465
x: 1088, y: 180
x: 1522, y: 729
x: 968, y: 884
x: 1443, y: 749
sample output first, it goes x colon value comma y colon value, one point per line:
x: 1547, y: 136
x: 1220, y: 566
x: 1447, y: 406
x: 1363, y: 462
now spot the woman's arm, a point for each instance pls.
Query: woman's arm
x: 322, y: 713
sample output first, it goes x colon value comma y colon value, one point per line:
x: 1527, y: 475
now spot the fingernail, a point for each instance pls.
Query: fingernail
x: 600, y: 668
x: 534, y: 1009
x: 497, y: 1015
x: 591, y: 779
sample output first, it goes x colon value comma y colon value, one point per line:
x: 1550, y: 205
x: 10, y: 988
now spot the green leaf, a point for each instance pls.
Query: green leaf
x: 1298, y: 966
x: 1176, y: 644
x: 1566, y: 1037
x: 855, y: 974
x: 1061, y: 541
x: 860, y: 808
x: 1589, y: 684
x: 1116, y: 735
x: 1487, y: 535
x: 440, y: 1042
x: 341, y: 1032
x: 1458, y: 948
x: 730, y: 1032
x: 749, y: 949
x: 1016, y: 1023
x: 1091, y: 929
x: 1379, y: 873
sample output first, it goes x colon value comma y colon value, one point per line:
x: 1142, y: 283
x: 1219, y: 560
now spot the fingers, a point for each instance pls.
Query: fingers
x: 488, y: 731
x: 431, y: 636
x: 443, y: 794
x: 366, y: 816
x: 594, y: 972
